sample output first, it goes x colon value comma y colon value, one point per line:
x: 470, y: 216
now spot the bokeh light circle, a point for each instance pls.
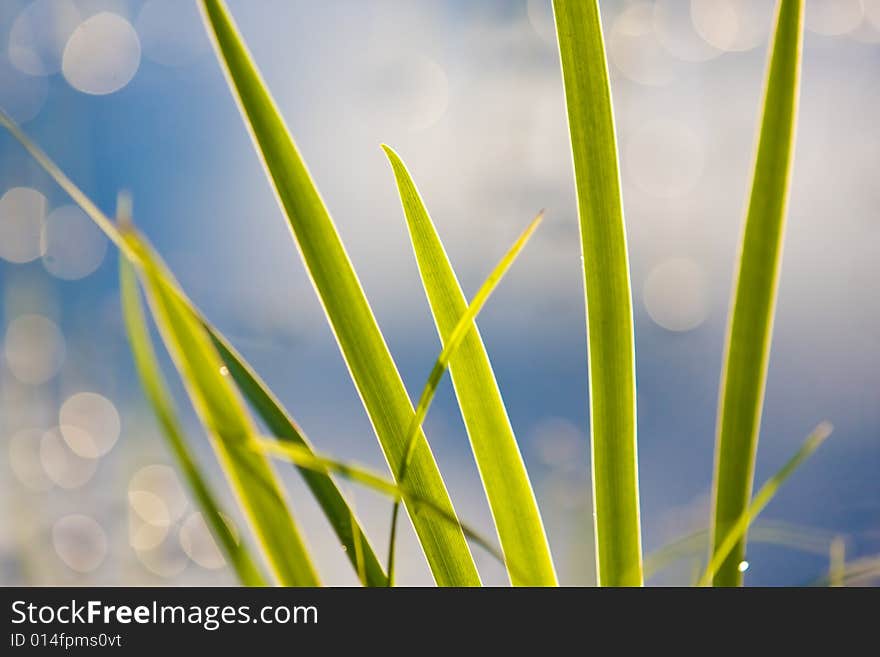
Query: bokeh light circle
x: 198, y: 543
x: 675, y: 295
x: 22, y: 96
x: 22, y: 213
x: 634, y: 49
x: 34, y: 348
x: 72, y: 246
x: 89, y: 423
x: 39, y: 34
x: 102, y: 55
x: 65, y: 467
x: 24, y: 459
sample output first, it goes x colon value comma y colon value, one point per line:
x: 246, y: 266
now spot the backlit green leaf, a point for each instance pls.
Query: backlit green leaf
x: 608, y: 297
x: 511, y: 499
x: 751, y: 317
x: 357, y: 333
x: 156, y: 391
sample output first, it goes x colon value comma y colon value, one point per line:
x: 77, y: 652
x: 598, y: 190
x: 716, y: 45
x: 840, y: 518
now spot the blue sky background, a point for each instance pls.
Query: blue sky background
x: 470, y: 95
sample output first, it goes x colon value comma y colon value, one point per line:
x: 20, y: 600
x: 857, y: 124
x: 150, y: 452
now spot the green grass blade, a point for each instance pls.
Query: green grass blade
x: 279, y: 422
x: 156, y: 391
x: 360, y: 340
x: 456, y: 337
x: 226, y: 419
x: 608, y: 296
x: 270, y: 410
x: 837, y: 562
x: 751, y: 317
x: 101, y: 220
x: 304, y: 458
x: 504, y: 476
x: 857, y: 572
x: 801, y: 539
x: 737, y: 532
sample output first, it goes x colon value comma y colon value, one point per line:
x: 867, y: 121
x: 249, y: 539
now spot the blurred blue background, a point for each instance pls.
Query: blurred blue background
x: 127, y: 95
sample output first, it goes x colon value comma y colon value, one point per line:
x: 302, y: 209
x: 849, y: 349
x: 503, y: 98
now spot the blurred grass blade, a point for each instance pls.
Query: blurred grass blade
x: 837, y: 562
x: 337, y: 510
x: 771, y: 532
x: 607, y: 287
x: 101, y: 220
x: 751, y: 316
x: 738, y: 529
x: 270, y: 410
x: 857, y: 572
x: 156, y: 391
x: 504, y: 476
x: 362, y: 345
x: 227, y: 421
x: 304, y: 458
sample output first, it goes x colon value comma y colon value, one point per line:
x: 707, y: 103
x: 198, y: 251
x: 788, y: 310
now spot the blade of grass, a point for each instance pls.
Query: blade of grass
x: 856, y: 572
x: 94, y: 213
x: 279, y: 422
x: 801, y: 539
x: 156, y: 391
x: 307, y: 459
x: 837, y: 562
x: 227, y: 422
x: 357, y: 333
x: 503, y: 473
x: 762, y: 498
x: 270, y: 410
x: 458, y: 334
x: 607, y: 287
x: 751, y: 316
x: 358, y: 548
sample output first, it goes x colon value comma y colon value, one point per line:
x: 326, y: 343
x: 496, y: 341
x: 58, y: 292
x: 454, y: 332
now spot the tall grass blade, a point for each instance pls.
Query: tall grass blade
x: 357, y: 333
x: 504, y: 476
x: 279, y: 422
x: 270, y: 410
x: 456, y: 337
x: 737, y: 532
x: 156, y: 391
x: 751, y: 317
x: 308, y: 459
x: 837, y: 562
x: 227, y: 422
x: 608, y: 297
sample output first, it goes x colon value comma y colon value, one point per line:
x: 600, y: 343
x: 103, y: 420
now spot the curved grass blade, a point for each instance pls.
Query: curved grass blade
x: 504, y: 476
x: 337, y: 510
x: 458, y: 334
x: 357, y: 333
x: 156, y: 391
x: 397, y: 491
x: 801, y: 539
x: 762, y: 498
x: 226, y: 420
x: 607, y: 288
x: 751, y: 316
x: 270, y: 410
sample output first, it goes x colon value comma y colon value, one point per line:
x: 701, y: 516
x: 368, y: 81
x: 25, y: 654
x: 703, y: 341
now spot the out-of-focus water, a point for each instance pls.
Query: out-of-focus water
x: 127, y: 95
